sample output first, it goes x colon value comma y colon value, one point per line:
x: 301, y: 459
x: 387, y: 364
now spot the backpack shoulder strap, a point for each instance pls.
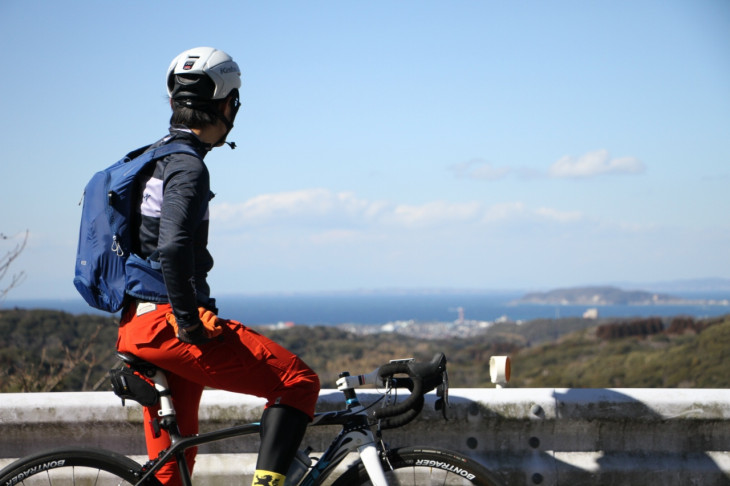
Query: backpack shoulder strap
x: 171, y: 148
x: 138, y: 159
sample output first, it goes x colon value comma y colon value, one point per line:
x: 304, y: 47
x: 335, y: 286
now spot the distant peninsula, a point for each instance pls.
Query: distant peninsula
x: 599, y: 296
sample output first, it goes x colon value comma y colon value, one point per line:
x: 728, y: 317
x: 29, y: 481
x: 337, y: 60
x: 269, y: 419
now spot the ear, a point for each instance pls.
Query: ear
x: 229, y: 99
x: 225, y: 106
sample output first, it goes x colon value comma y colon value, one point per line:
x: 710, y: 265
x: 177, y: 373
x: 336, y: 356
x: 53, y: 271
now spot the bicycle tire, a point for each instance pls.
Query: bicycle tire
x: 78, y: 467
x: 421, y: 466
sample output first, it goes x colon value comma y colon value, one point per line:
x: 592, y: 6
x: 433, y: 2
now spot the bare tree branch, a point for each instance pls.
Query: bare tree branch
x: 5, y: 262
x: 74, y: 359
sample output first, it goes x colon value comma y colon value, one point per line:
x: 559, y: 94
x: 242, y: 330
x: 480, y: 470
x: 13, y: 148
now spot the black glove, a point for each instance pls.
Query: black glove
x: 195, y: 335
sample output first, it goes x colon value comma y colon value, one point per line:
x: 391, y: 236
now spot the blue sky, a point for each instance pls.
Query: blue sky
x: 462, y: 145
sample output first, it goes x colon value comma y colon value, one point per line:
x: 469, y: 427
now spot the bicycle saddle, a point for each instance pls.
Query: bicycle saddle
x: 136, y: 363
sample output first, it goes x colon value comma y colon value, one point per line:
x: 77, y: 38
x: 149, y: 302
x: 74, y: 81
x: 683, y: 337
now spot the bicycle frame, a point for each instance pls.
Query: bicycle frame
x: 356, y: 436
x: 360, y: 433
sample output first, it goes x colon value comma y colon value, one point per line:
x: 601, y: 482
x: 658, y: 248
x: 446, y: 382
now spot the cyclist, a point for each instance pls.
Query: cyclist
x: 180, y: 332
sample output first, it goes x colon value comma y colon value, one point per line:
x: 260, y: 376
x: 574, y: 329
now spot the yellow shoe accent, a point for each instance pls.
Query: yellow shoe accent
x: 267, y: 478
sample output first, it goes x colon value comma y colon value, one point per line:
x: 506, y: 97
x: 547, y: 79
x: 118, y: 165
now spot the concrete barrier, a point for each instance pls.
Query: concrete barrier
x: 529, y: 436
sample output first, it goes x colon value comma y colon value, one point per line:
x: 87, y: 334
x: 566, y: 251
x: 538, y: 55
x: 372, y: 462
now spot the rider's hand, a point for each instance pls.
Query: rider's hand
x: 200, y: 333
x: 211, y: 322
x: 193, y: 335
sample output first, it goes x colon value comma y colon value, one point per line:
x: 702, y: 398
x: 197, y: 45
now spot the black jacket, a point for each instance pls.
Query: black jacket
x: 173, y: 225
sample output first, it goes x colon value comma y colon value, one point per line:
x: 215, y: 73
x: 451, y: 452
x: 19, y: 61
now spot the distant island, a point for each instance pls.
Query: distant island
x: 600, y: 296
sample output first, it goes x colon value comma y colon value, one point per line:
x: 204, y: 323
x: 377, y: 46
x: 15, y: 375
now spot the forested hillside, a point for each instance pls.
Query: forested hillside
x: 44, y: 350
x: 685, y: 354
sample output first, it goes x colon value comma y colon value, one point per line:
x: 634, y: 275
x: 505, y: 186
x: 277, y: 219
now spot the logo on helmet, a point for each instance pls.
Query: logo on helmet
x: 188, y: 65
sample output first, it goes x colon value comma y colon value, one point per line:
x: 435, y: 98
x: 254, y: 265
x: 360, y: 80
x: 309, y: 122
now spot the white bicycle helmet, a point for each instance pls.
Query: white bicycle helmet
x: 202, y: 74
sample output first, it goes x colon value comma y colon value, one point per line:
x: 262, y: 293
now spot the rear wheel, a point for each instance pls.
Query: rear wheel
x: 77, y: 467
x: 423, y: 466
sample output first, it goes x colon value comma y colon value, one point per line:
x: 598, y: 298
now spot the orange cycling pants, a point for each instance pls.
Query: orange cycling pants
x: 239, y: 360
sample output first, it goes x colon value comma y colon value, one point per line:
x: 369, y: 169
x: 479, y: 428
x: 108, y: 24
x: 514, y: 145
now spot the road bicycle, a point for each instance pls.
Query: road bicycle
x: 361, y: 433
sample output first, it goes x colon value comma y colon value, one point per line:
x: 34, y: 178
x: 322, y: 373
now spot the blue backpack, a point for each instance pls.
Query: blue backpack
x: 106, y: 268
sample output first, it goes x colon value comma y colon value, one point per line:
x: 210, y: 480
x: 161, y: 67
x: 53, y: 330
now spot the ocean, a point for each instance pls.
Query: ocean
x: 381, y: 308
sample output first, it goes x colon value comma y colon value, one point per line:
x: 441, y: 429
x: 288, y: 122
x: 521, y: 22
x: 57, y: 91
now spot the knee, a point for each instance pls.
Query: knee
x: 303, y: 392
x: 310, y: 388
x: 306, y: 378
x: 314, y: 382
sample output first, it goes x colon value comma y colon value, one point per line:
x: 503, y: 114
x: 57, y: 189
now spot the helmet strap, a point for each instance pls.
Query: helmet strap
x: 235, y: 104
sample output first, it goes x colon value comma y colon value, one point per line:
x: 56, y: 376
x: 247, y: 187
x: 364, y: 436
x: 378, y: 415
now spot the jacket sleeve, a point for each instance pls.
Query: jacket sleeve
x: 186, y: 187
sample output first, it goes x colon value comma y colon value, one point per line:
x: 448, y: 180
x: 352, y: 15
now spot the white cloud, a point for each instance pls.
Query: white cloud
x: 434, y: 213
x: 307, y: 206
x: 480, y: 169
x: 559, y: 216
x: 503, y: 212
x: 328, y: 216
x: 594, y: 164
x: 321, y: 207
x: 337, y: 236
x: 591, y: 164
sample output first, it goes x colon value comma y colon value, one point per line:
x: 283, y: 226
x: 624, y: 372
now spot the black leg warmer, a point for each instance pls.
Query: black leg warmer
x: 282, y: 430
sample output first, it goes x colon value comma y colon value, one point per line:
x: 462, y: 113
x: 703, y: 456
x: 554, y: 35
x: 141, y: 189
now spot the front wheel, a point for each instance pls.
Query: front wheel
x: 422, y: 466
x: 77, y: 467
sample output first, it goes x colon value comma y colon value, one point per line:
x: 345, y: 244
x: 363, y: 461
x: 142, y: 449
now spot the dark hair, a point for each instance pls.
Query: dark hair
x: 198, y: 115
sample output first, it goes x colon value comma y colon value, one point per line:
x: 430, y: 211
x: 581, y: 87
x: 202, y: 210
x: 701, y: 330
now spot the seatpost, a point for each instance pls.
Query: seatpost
x: 167, y: 420
x: 166, y: 407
